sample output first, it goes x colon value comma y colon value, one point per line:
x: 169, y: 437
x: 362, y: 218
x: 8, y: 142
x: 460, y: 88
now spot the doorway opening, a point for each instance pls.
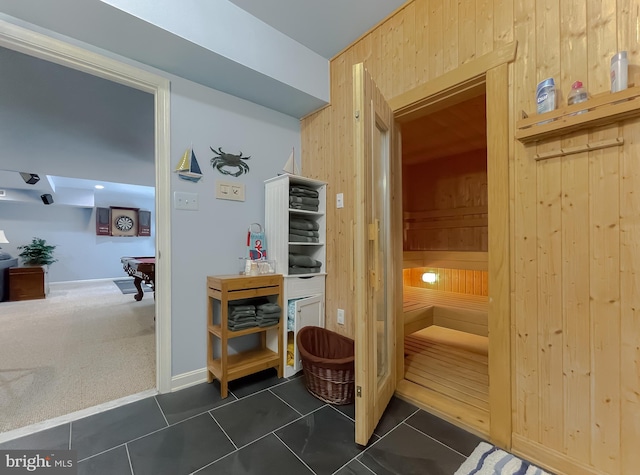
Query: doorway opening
x: 41, y: 46
x: 445, y: 263
x: 486, y: 77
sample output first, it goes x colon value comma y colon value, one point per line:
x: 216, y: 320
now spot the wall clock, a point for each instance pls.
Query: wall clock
x: 124, y: 221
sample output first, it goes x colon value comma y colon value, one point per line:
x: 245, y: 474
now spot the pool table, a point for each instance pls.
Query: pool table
x: 142, y: 269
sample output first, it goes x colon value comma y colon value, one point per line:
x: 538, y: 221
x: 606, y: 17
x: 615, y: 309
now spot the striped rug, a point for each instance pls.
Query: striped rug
x: 487, y: 459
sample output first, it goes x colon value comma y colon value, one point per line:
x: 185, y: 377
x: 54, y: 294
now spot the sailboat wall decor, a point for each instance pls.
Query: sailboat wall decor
x: 291, y: 167
x: 188, y: 168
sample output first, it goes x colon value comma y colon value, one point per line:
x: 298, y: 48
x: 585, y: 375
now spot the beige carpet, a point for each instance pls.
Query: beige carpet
x: 84, y: 345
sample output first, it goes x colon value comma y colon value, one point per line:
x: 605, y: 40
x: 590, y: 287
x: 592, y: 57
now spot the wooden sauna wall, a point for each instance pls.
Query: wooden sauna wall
x: 575, y: 220
x: 445, y: 204
x: 472, y: 282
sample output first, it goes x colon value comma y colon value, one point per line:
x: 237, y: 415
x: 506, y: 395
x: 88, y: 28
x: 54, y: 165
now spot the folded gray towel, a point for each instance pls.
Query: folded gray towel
x: 296, y: 238
x: 269, y: 307
x: 242, y: 326
x: 304, y: 200
x: 304, y: 270
x: 303, y: 206
x: 267, y: 323
x: 301, y: 190
x: 241, y: 320
x: 243, y: 313
x: 301, y: 223
x: 302, y: 232
x: 241, y: 307
x: 300, y: 260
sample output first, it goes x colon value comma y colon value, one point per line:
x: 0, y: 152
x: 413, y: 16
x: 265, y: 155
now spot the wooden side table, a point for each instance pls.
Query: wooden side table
x: 226, y: 289
x: 27, y: 283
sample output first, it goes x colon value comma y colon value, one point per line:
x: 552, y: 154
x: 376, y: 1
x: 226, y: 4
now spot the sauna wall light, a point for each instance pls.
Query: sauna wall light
x: 429, y: 277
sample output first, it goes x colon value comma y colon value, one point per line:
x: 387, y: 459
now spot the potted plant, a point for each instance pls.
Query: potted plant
x: 38, y: 253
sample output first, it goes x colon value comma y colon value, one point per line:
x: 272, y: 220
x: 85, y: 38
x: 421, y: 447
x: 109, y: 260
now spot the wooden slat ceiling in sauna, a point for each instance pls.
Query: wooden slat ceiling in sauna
x: 456, y: 130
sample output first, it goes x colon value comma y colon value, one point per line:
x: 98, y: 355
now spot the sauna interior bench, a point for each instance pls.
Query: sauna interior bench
x: 424, y: 307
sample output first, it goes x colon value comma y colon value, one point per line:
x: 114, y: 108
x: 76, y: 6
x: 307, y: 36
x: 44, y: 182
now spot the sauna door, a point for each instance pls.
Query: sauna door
x: 375, y: 148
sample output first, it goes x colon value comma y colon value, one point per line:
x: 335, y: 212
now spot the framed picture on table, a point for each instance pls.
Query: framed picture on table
x: 124, y: 221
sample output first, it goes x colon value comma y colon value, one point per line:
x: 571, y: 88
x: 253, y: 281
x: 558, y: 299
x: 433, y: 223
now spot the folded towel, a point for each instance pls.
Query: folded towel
x: 301, y: 190
x: 303, y: 207
x: 301, y: 223
x: 301, y: 260
x: 304, y: 270
x: 242, y: 320
x: 269, y: 307
x: 267, y: 324
x: 241, y: 307
x: 296, y: 238
x: 242, y: 313
x: 303, y: 232
x: 304, y: 200
x: 242, y: 326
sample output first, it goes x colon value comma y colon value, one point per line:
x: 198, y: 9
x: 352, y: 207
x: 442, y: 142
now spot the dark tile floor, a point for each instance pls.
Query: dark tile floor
x: 266, y: 426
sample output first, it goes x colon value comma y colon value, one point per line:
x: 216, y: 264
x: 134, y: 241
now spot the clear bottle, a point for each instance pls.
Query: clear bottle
x: 619, y: 71
x: 577, y: 94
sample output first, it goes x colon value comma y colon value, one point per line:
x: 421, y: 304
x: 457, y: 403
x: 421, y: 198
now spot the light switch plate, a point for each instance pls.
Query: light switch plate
x: 230, y: 191
x: 184, y: 200
x: 340, y: 316
x: 339, y: 200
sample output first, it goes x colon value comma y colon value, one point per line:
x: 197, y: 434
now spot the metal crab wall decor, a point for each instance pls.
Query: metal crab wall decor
x: 228, y: 163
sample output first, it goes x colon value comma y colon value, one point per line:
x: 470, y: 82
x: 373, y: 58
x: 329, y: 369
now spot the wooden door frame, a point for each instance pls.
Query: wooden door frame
x: 489, y: 74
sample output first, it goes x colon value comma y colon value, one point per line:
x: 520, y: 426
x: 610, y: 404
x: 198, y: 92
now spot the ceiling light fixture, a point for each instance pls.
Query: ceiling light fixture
x: 99, y: 187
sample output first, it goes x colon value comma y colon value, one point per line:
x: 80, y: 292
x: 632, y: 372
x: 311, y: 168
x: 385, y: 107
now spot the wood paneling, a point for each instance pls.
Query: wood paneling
x: 461, y: 281
x: 573, y: 221
x: 456, y: 130
x: 436, y: 195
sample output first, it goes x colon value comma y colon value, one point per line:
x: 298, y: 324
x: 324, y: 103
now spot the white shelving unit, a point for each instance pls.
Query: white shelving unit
x: 305, y: 292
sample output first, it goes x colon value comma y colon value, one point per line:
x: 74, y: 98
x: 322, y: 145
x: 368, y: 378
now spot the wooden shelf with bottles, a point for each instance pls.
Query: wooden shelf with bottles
x: 601, y: 109
x: 229, y: 288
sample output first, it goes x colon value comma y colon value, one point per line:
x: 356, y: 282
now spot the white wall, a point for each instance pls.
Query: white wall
x: 210, y: 241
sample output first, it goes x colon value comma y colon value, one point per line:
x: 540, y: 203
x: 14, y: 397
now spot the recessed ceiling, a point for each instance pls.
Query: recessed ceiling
x: 459, y: 129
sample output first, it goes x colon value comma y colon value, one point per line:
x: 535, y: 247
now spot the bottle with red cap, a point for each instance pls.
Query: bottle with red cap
x: 577, y: 94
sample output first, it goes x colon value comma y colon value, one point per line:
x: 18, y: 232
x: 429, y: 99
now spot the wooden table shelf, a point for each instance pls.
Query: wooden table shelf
x: 226, y: 367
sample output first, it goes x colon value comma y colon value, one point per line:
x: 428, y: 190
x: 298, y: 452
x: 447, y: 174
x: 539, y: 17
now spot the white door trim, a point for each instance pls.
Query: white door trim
x: 50, y: 49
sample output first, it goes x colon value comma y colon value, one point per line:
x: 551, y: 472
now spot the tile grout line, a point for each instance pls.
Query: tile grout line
x: 103, y: 452
x: 126, y: 447
x: 161, y: 411
x: 340, y: 412
x: 261, y: 390
x: 433, y: 438
x: 379, y: 439
x: 286, y: 402
x: 223, y: 431
x: 360, y: 462
x: 294, y: 454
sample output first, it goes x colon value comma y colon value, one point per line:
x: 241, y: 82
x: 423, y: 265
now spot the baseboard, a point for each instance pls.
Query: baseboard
x: 189, y: 379
x: 550, y: 459
x: 102, y: 279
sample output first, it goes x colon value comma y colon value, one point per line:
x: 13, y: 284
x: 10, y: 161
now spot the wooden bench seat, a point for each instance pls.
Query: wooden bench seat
x: 424, y: 307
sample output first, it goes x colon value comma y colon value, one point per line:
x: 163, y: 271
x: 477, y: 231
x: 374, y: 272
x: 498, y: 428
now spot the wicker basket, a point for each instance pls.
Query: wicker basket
x: 328, y: 364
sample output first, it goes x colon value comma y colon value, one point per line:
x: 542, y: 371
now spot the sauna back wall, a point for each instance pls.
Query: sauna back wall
x: 445, y: 204
x: 575, y: 221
